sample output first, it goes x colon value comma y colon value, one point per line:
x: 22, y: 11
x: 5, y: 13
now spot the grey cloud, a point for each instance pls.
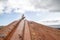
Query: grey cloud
x: 51, y: 5
x: 3, y: 1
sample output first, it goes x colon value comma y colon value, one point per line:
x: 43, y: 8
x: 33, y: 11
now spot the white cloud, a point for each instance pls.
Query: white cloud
x: 19, y: 11
x: 30, y: 5
x: 2, y: 4
x: 23, y: 6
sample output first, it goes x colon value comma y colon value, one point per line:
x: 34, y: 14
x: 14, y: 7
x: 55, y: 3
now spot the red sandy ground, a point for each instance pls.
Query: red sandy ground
x: 37, y: 31
x: 42, y: 32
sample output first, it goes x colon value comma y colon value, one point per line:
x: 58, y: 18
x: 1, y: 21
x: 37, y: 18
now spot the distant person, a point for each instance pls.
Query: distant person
x: 23, y: 16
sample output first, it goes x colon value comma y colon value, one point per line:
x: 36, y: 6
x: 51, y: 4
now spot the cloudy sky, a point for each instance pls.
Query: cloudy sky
x: 35, y: 10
